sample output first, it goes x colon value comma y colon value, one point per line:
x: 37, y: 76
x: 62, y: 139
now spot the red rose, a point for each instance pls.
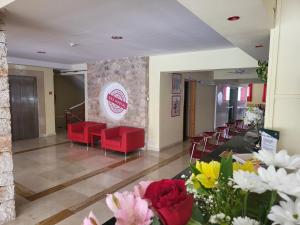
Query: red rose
x: 170, y: 199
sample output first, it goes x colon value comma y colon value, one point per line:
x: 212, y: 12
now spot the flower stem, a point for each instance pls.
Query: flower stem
x: 271, y: 203
x: 245, y: 203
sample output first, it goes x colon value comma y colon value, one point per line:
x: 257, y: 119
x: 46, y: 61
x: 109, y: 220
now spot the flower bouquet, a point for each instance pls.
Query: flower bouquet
x: 253, y: 116
x: 231, y: 193
x: 164, y: 201
x: 225, y: 193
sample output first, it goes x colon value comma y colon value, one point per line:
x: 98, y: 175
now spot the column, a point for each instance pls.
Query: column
x: 283, y: 95
x: 7, y: 203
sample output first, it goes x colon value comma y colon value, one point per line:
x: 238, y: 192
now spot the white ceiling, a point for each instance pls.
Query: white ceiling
x: 149, y: 27
x: 253, y: 28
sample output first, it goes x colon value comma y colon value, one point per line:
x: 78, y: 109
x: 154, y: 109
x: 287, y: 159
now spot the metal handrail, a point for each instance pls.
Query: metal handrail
x: 69, y: 113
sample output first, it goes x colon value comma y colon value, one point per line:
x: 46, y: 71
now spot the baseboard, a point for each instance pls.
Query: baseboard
x: 170, y: 145
x: 47, y: 135
x: 153, y: 148
x: 158, y: 149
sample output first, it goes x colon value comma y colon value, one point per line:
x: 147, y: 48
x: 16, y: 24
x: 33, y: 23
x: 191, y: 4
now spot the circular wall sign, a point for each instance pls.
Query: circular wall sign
x: 114, y: 101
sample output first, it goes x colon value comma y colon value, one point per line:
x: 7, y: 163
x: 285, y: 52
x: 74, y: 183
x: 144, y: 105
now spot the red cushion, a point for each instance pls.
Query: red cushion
x: 123, y: 139
x: 77, y: 134
x: 114, y: 141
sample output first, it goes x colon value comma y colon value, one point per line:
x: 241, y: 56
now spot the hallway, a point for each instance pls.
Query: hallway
x: 60, y: 184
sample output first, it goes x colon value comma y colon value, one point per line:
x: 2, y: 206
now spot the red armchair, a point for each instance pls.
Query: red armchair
x: 123, y: 139
x: 81, y: 131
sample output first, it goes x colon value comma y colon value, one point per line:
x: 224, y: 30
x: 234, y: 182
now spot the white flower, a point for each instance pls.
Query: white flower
x: 291, y: 185
x: 288, y: 213
x: 244, y: 221
x: 280, y: 181
x: 248, y: 182
x: 280, y: 159
x: 253, y: 115
x: 219, y: 218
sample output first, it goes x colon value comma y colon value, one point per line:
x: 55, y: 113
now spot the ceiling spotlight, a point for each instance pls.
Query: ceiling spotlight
x: 73, y: 44
x: 259, y: 46
x: 41, y: 52
x: 116, y: 37
x: 233, y: 18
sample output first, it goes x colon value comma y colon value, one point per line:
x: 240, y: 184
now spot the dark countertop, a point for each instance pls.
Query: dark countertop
x: 239, y: 144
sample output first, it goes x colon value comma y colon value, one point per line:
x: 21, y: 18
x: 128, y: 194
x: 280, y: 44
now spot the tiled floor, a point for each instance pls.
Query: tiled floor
x: 29, y: 144
x: 60, y: 184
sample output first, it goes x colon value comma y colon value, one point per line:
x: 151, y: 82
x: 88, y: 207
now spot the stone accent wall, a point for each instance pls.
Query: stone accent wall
x: 132, y: 74
x: 7, y: 203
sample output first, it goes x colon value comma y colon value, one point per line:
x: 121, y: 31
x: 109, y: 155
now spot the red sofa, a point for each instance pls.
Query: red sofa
x: 81, y: 131
x: 123, y: 139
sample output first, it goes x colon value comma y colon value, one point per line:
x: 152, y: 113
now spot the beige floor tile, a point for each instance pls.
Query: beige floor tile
x: 50, y: 166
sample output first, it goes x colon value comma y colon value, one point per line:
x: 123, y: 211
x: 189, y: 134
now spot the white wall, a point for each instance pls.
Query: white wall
x: 191, y: 61
x: 205, y: 108
x: 283, y: 95
x: 172, y: 127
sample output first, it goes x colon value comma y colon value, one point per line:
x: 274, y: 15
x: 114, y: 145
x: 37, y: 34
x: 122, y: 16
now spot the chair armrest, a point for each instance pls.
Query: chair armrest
x: 133, y: 139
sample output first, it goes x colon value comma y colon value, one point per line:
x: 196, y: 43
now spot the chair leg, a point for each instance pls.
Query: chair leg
x: 125, y: 156
x: 205, y: 142
x: 105, y: 152
x: 87, y: 147
x: 140, y: 152
x: 192, y: 153
x: 218, y: 138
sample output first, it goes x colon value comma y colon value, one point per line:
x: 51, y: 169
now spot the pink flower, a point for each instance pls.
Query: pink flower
x: 129, y: 209
x: 140, y: 189
x: 91, y: 220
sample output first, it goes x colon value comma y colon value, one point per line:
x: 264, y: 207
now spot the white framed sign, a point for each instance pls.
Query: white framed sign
x: 114, y: 101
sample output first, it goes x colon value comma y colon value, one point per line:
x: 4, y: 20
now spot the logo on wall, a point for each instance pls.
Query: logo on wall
x: 114, y: 100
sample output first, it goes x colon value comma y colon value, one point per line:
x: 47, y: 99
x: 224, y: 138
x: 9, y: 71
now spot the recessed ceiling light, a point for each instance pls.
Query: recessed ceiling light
x: 259, y: 46
x: 116, y: 37
x: 41, y: 52
x: 233, y: 18
x: 73, y: 44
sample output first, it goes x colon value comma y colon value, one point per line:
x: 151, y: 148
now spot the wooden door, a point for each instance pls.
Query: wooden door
x: 24, y: 107
x: 192, y: 108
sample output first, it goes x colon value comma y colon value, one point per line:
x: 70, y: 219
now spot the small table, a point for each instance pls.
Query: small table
x: 94, y: 136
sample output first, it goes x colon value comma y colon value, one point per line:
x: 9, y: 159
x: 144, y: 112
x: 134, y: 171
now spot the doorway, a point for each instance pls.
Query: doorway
x: 233, y: 104
x: 24, y: 107
x: 185, y: 111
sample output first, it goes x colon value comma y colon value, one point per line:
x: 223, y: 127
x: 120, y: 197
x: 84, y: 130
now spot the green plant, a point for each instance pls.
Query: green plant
x: 262, y: 70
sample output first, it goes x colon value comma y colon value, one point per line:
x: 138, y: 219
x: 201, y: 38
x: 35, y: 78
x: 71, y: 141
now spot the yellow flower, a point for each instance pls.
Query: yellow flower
x: 247, y: 166
x: 198, y: 166
x: 195, y: 181
x: 209, y: 173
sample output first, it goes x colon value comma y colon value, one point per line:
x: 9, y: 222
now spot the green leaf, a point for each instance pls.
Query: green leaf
x: 155, y: 221
x: 193, y: 222
x: 259, y: 63
x: 262, y: 70
x: 197, y: 214
x: 194, y: 169
x: 202, y: 190
x: 226, y: 170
